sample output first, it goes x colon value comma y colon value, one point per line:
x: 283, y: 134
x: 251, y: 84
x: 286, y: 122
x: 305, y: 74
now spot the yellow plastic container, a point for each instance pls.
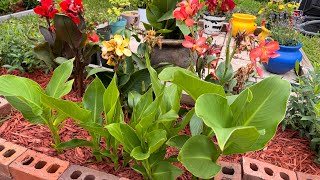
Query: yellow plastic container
x: 264, y: 33
x: 243, y: 22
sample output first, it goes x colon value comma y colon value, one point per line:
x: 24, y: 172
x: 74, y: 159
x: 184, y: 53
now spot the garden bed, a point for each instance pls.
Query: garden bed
x: 286, y: 149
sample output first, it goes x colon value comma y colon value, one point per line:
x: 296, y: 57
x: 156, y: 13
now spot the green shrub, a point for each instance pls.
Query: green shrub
x: 302, y: 109
x: 5, y: 5
x: 17, y: 40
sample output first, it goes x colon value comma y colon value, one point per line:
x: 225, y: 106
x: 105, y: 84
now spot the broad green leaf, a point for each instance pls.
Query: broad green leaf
x: 110, y: 99
x: 59, y: 84
x: 142, y: 105
x: 199, y: 155
x: 182, y: 124
x: 133, y: 98
x: 157, y: 157
x: 196, y: 125
x: 178, y: 141
x: 140, y: 169
x: 250, y: 122
x: 95, y: 128
x: 74, y: 143
x: 136, y: 80
x: 24, y: 95
x: 125, y: 135
x: 168, y: 15
x: 138, y: 154
x: 92, y: 100
x: 44, y: 53
x: 172, y: 96
x: 169, y: 116
x: 183, y: 28
x: 93, y: 71
x: 68, y: 108
x: 157, y: 86
x: 189, y: 82
x: 156, y: 139
x: 153, y: 14
x: 166, y: 171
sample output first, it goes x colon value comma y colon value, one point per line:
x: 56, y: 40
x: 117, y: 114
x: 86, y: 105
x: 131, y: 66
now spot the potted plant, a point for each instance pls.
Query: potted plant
x: 141, y: 5
x: 215, y: 15
x: 166, y: 26
x: 289, y: 50
x: 132, y: 17
x: 116, y: 22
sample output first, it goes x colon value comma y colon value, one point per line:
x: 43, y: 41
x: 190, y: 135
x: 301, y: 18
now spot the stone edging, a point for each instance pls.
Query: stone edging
x: 16, y: 15
x: 20, y: 163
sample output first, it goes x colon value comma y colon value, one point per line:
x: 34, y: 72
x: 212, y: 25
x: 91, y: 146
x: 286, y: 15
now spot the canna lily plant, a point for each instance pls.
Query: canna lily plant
x: 27, y: 97
x: 66, y: 35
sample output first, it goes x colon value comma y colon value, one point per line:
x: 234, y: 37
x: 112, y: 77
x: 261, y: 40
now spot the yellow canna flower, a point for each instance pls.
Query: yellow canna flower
x: 115, y: 50
x: 281, y: 7
x: 290, y: 5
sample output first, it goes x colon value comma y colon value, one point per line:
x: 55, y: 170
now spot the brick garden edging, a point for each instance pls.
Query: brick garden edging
x: 20, y: 163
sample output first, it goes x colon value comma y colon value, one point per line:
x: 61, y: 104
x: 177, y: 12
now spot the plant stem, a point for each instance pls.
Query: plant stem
x: 55, y: 136
x: 147, y: 168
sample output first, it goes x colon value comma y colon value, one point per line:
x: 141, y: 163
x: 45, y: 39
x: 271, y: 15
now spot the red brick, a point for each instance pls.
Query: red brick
x: 80, y: 172
x: 9, y: 153
x: 5, y: 107
x: 303, y: 176
x: 36, y: 166
x: 257, y: 170
x: 229, y: 171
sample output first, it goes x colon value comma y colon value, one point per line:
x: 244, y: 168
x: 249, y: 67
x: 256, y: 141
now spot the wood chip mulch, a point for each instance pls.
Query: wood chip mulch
x: 286, y: 149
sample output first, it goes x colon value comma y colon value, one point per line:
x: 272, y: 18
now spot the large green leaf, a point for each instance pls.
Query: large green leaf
x: 189, y: 82
x: 110, y: 100
x: 178, y: 141
x: 251, y: 120
x: 92, y: 100
x: 136, y: 80
x: 138, y: 154
x: 199, y: 155
x: 58, y: 85
x: 24, y: 95
x: 165, y: 171
x: 44, y: 53
x: 67, y: 30
x: 156, y: 139
x: 67, y: 108
x: 125, y: 135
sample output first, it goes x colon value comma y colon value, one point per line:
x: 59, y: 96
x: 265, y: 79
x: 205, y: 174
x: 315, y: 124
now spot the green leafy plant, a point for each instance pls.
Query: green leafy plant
x: 68, y: 38
x: 160, y: 17
x: 116, y: 8
x: 96, y: 100
x: 5, y: 5
x: 240, y: 123
x: 17, y: 40
x: 303, y: 109
x: 285, y: 35
x: 27, y: 97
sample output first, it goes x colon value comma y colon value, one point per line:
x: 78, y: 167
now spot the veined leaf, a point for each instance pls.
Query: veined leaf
x: 189, y: 82
x: 138, y: 154
x: 74, y: 143
x: 199, y: 155
x: 156, y: 139
x: 58, y: 85
x: 165, y: 170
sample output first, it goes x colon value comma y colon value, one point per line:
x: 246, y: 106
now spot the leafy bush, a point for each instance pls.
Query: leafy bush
x: 5, y: 5
x: 17, y: 40
x: 303, y: 109
x: 30, y: 4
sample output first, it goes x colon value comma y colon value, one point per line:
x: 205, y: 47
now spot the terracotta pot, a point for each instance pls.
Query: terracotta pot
x: 172, y: 52
x: 243, y: 22
x: 213, y: 24
x: 132, y: 17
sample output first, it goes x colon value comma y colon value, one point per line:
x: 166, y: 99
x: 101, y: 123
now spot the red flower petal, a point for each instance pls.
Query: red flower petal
x: 187, y: 44
x: 189, y: 22
x: 201, y: 41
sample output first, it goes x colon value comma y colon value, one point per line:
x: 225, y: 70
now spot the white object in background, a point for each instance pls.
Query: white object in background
x: 213, y: 24
x: 143, y: 15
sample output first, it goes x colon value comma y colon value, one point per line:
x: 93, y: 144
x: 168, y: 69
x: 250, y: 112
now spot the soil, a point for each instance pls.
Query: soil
x: 286, y: 149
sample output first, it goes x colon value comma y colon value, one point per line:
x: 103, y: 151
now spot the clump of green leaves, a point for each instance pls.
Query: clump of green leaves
x: 28, y: 97
x: 286, y: 36
x: 17, y: 40
x: 304, y: 107
x: 5, y: 5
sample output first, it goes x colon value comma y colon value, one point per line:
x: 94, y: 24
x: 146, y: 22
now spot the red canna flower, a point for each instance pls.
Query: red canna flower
x: 46, y: 9
x: 265, y: 51
x: 195, y: 45
x: 217, y: 6
x: 72, y: 9
x: 181, y: 15
x: 227, y: 5
x: 186, y: 11
x: 93, y: 37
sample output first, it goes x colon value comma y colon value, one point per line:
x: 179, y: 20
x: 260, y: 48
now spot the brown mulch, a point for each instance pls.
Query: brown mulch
x: 286, y: 149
